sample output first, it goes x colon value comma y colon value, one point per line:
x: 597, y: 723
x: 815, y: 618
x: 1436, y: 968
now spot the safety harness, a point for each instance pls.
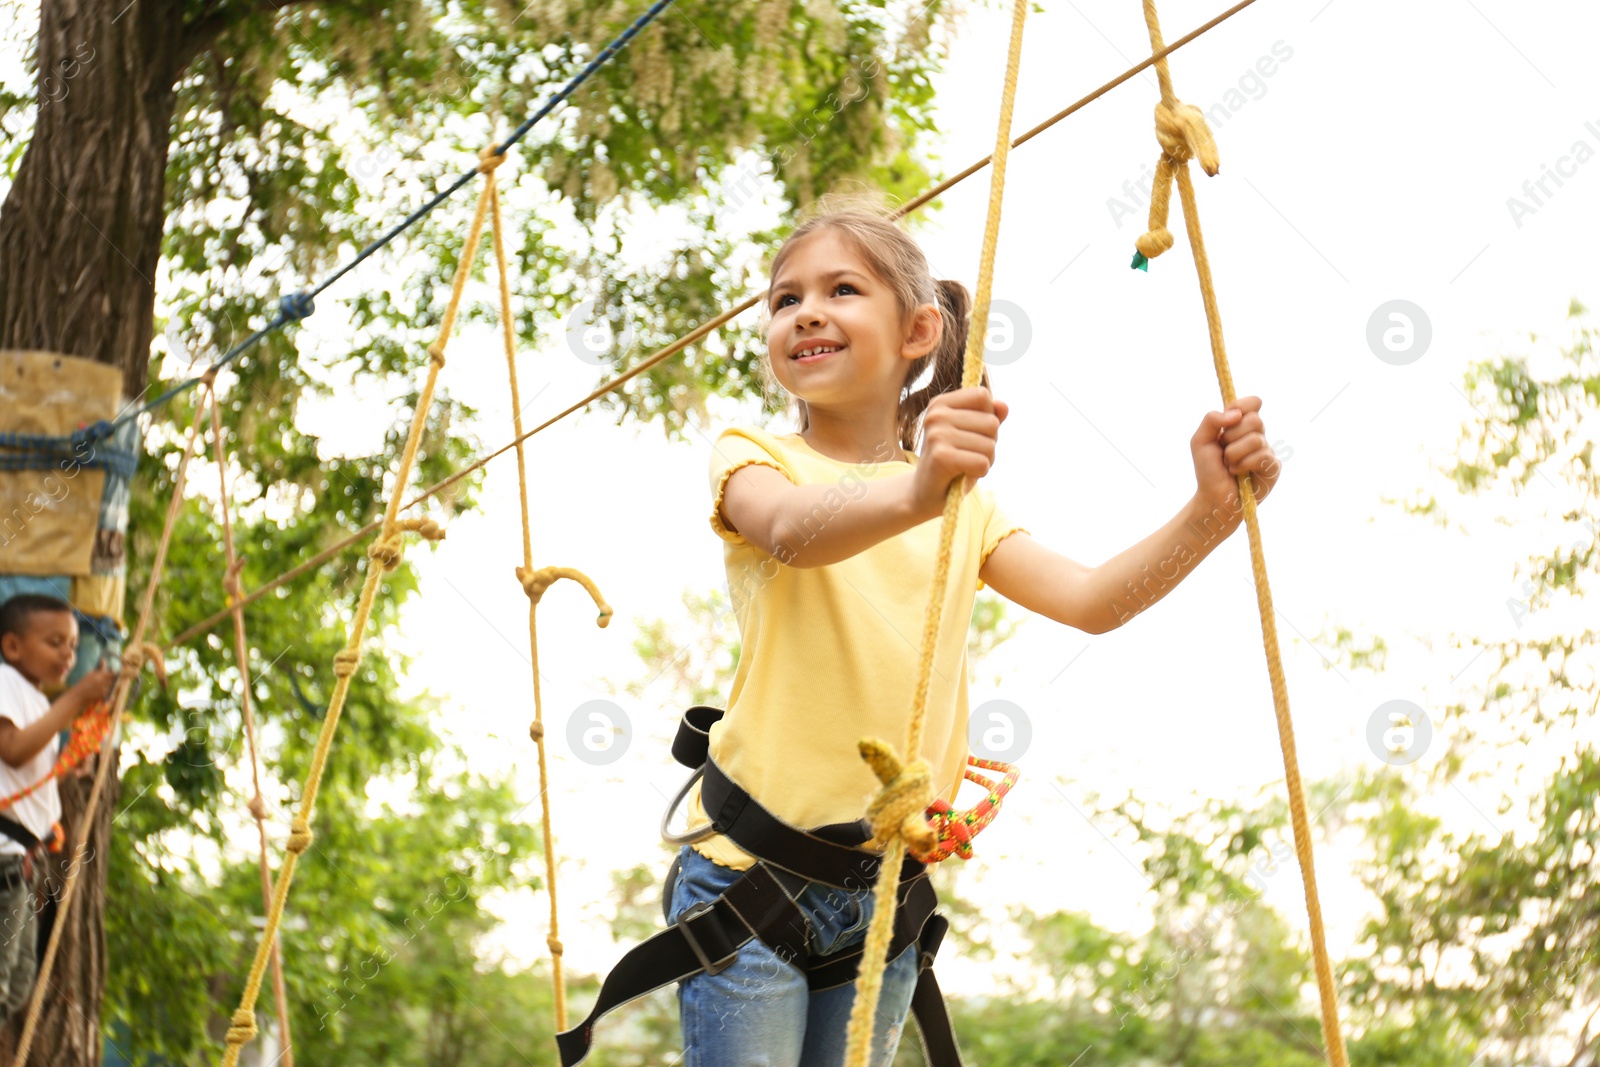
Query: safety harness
x: 762, y: 905
x: 32, y: 845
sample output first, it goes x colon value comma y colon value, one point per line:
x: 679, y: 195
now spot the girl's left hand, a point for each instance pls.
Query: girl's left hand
x: 1229, y: 443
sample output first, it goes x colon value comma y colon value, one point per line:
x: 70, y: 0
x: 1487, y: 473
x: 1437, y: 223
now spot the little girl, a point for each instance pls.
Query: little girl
x: 829, y: 539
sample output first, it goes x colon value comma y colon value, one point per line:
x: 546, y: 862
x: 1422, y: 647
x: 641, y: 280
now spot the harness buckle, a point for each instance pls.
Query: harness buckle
x: 694, y: 911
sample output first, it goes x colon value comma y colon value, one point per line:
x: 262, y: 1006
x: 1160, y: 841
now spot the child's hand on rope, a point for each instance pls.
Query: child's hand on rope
x: 958, y: 436
x: 1227, y: 444
x: 93, y: 686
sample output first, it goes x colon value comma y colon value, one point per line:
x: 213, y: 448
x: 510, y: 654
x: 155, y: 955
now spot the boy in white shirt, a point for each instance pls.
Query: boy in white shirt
x: 39, y: 642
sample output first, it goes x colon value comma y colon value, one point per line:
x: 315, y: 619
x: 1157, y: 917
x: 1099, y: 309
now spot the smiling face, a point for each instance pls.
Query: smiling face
x: 45, y: 649
x: 838, y: 338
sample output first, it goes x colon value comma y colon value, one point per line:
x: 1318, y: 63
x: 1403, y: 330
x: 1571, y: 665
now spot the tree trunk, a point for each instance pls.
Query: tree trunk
x: 80, y: 236
x: 80, y: 232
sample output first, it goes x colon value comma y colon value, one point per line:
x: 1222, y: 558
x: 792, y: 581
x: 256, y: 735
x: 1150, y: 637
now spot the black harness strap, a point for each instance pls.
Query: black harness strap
x: 762, y: 904
x: 31, y: 844
x: 741, y: 817
x: 19, y: 833
x: 706, y: 937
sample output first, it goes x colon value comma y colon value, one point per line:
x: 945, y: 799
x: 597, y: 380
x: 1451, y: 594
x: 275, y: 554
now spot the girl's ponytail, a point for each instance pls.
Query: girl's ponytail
x: 947, y: 359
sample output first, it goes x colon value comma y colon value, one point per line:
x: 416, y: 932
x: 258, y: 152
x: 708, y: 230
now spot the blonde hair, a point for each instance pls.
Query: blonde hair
x: 867, y: 225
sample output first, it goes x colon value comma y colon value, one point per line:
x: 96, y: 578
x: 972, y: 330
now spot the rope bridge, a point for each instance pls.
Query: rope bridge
x: 899, y: 812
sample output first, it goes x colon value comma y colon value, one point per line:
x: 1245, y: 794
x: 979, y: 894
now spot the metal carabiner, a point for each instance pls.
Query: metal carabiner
x: 688, y: 837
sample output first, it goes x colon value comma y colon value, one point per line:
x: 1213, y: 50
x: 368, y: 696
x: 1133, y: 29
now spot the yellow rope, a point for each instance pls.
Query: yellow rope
x: 1182, y: 131
x: 133, y: 657
x: 896, y: 813
x: 534, y: 583
x: 385, y: 555
x: 241, y: 655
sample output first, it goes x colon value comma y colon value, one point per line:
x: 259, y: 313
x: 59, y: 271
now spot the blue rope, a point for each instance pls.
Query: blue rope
x: 32, y: 451
x: 298, y: 306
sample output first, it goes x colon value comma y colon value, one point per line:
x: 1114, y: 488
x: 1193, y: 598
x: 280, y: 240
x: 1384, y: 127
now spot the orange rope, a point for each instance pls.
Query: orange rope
x: 88, y: 731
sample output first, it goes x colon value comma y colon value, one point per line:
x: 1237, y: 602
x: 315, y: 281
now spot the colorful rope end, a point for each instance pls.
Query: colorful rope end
x: 1140, y: 263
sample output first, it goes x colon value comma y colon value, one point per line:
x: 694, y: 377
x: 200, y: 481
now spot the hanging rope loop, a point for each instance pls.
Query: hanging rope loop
x: 957, y: 828
x: 389, y: 549
x: 535, y: 582
x: 1183, y: 134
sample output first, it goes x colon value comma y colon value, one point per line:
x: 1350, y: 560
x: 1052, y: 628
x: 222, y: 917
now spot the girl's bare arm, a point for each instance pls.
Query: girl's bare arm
x: 815, y: 525
x: 1099, y: 599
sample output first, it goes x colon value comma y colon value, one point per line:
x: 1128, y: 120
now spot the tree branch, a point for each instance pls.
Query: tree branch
x: 200, y: 33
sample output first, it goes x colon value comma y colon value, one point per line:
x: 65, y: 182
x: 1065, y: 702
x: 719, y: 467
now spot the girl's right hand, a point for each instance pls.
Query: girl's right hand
x: 958, y: 438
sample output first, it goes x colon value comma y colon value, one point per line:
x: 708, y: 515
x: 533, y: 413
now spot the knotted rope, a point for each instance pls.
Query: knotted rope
x: 257, y: 805
x: 958, y: 828
x: 534, y: 583
x: 385, y: 554
x: 135, y: 652
x: 1182, y: 133
x: 896, y: 813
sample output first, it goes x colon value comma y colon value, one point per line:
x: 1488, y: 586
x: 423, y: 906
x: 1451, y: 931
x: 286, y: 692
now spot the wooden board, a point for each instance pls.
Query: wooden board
x: 49, y: 519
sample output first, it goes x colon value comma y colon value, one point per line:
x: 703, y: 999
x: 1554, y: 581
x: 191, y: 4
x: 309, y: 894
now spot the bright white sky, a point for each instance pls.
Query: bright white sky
x: 1373, y: 163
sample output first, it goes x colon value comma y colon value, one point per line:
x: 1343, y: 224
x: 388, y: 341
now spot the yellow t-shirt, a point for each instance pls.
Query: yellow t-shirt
x: 829, y: 655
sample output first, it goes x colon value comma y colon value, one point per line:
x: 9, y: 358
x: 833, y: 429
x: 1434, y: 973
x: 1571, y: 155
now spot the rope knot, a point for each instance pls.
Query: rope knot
x: 536, y: 731
x: 299, y: 835
x: 135, y: 658
x: 230, y: 581
x: 897, y: 809
x: 296, y: 306
x: 427, y: 529
x: 436, y: 353
x: 243, y: 1028
x: 132, y: 662
x: 556, y: 948
x: 490, y: 158
x: 258, y: 808
x: 390, y: 547
x: 387, y: 550
x: 344, y: 662
x: 1183, y: 133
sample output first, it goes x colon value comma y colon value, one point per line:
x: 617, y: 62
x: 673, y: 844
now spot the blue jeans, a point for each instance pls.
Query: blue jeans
x: 759, y: 1012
